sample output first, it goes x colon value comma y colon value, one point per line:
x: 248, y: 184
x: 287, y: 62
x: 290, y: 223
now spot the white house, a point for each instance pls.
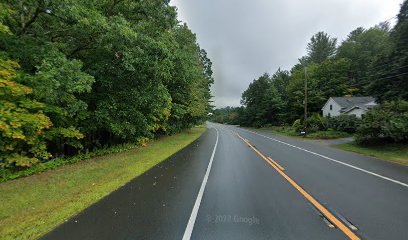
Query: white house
x: 358, y: 106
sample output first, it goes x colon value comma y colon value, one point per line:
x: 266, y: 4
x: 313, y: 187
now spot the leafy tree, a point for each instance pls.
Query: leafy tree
x: 388, y: 77
x: 107, y: 71
x: 362, y: 48
x: 191, y: 79
x: 332, y: 78
x: 57, y: 82
x: 227, y: 115
x: 280, y: 80
x: 296, y: 88
x: 22, y: 122
x: 3, y: 14
x: 262, y: 102
x: 130, y: 97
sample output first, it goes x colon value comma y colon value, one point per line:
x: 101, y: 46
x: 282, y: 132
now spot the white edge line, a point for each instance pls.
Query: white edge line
x: 194, y: 212
x: 333, y: 160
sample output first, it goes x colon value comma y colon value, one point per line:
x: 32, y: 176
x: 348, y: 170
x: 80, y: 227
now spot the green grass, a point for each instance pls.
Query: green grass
x: 284, y: 130
x: 328, y: 135
x: 290, y: 131
x: 397, y: 153
x: 34, y: 205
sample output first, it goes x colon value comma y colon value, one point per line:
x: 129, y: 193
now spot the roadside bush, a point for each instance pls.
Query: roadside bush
x: 344, y: 123
x: 297, y: 125
x: 329, y: 134
x: 388, y: 122
x: 11, y: 173
x: 316, y: 123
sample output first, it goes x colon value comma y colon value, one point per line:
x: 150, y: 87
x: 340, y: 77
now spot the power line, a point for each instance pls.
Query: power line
x: 379, y: 73
x: 385, y: 64
x: 395, y: 16
x: 406, y: 73
x: 391, y: 62
x: 387, y: 77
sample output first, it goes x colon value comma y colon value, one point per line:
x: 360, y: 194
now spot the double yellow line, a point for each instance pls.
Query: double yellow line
x: 313, y: 201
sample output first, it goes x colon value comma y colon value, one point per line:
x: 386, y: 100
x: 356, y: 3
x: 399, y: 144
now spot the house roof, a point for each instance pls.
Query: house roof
x: 349, y: 103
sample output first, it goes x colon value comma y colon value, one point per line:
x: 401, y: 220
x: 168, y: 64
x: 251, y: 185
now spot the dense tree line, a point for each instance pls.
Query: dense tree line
x: 369, y: 62
x: 75, y: 75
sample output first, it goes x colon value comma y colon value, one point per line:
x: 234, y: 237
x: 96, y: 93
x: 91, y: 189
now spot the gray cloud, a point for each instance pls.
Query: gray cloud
x: 247, y: 38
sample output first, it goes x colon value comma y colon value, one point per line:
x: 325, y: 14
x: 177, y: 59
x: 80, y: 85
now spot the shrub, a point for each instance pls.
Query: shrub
x: 344, y: 123
x: 388, y: 122
x: 316, y: 123
x: 329, y: 134
x: 12, y: 173
x: 297, y: 125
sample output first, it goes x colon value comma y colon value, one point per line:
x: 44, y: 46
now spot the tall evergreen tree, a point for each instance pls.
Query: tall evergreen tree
x: 321, y: 47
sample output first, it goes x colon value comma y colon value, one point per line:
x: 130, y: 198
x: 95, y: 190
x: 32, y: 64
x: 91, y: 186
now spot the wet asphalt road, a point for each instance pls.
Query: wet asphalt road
x: 245, y: 198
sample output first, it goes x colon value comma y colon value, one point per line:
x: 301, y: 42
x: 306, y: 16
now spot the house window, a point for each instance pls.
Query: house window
x: 331, y: 107
x: 328, y: 115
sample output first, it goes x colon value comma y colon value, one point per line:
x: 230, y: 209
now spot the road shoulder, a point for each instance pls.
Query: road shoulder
x: 34, y: 205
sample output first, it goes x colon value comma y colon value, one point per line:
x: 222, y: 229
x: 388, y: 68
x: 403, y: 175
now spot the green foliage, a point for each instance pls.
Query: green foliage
x: 227, y: 115
x: 22, y: 123
x: 191, y: 81
x: 394, y: 152
x: 388, y: 122
x: 262, y: 101
x: 320, y: 48
x: 328, y: 134
x: 295, y: 91
x: 26, y: 202
x: 11, y: 173
x: 297, y: 125
x: 388, y: 76
x: 57, y: 82
x: 362, y: 48
x: 344, y: 123
x: 107, y: 72
x: 332, y: 78
x: 3, y: 13
x: 316, y: 122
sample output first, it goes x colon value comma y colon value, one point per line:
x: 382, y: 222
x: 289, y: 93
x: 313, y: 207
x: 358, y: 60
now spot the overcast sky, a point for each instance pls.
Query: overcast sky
x: 245, y: 39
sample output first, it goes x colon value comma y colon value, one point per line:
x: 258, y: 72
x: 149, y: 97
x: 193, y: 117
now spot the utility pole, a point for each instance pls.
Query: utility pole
x: 305, y: 106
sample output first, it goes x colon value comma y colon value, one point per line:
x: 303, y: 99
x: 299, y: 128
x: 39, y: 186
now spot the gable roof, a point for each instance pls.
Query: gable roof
x: 346, y: 110
x: 347, y: 103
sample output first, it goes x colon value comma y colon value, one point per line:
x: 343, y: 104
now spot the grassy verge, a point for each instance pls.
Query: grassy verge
x: 34, y: 205
x: 290, y: 131
x: 286, y: 131
x: 328, y: 135
x: 397, y: 153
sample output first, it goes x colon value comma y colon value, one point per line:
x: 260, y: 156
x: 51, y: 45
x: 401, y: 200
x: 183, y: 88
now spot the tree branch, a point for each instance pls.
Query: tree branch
x: 26, y: 24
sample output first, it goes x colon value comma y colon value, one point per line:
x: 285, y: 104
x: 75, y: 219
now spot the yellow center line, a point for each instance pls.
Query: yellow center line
x: 277, y: 164
x: 320, y: 207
